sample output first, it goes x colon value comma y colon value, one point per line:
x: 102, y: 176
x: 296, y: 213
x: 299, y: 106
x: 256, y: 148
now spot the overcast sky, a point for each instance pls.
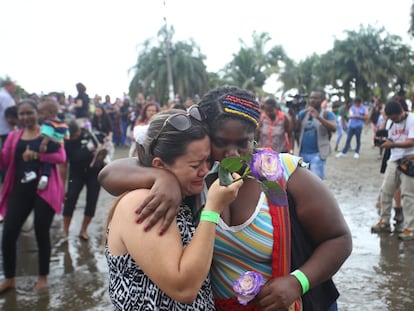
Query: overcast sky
x: 50, y: 45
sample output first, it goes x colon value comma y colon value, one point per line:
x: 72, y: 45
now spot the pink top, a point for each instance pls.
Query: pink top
x: 53, y: 193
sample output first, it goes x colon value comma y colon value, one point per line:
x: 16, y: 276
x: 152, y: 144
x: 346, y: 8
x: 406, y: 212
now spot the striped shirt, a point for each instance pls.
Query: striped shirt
x: 247, y: 246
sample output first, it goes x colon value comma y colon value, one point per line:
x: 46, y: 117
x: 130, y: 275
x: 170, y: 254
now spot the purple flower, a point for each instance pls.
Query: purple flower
x: 247, y: 286
x: 266, y: 165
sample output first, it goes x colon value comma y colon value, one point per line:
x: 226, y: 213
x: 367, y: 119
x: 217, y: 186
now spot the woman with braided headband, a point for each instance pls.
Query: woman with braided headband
x: 309, y: 236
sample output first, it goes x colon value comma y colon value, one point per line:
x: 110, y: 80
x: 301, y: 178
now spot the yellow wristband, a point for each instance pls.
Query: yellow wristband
x: 210, y: 216
x: 303, y: 280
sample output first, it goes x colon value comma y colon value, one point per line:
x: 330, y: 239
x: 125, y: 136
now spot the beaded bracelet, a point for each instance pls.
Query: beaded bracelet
x: 210, y: 216
x: 303, y: 280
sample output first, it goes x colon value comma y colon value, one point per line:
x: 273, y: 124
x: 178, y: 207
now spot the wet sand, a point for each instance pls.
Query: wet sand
x: 378, y: 275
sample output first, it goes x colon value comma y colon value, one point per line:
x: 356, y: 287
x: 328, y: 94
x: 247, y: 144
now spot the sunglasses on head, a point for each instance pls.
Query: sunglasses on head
x: 179, y: 121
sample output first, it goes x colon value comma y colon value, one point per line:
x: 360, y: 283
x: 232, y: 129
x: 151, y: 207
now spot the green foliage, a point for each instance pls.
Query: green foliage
x: 365, y: 61
x: 252, y: 66
x: 368, y: 61
x: 189, y: 73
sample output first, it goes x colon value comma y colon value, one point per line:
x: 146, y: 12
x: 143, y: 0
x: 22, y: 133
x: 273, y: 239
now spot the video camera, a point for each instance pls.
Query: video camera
x: 298, y: 102
x: 380, y: 137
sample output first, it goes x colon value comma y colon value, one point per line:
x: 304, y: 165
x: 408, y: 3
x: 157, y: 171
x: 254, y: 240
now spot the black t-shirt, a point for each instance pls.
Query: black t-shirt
x: 83, y: 111
x: 77, y: 153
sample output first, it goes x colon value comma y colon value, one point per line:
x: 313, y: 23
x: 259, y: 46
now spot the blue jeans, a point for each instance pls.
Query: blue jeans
x: 316, y: 164
x: 351, y: 132
x: 124, y: 138
x: 333, y: 307
x: 339, y: 132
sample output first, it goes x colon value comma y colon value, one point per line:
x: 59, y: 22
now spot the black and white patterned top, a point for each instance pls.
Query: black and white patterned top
x: 131, y: 289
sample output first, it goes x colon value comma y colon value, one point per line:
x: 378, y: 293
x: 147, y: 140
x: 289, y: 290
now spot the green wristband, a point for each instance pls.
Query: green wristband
x: 303, y: 280
x: 210, y: 216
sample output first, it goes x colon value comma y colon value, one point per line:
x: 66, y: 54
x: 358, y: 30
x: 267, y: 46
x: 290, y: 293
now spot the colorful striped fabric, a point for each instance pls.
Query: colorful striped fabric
x: 250, y: 246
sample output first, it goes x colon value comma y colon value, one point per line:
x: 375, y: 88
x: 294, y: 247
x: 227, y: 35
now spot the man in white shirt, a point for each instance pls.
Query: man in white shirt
x: 401, y: 142
x: 6, y: 100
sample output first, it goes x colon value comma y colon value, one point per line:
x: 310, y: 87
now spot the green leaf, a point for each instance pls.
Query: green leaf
x: 247, y: 158
x: 233, y: 164
x: 224, y: 176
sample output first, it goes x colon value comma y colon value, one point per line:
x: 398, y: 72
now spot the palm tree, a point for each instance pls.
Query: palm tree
x: 252, y: 66
x: 189, y: 73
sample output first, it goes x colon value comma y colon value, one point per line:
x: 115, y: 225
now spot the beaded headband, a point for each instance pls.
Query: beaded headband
x: 242, y: 108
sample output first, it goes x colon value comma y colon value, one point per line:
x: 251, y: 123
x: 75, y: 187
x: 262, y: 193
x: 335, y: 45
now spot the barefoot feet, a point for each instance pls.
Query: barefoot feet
x: 41, y: 283
x: 84, y: 236
x: 63, y: 235
x: 7, y: 285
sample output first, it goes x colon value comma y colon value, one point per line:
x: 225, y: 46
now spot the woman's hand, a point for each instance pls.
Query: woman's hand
x: 163, y: 201
x: 278, y: 293
x: 29, y: 155
x: 219, y: 197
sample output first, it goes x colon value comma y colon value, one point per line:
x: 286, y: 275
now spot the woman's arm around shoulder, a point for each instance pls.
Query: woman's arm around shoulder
x: 123, y: 175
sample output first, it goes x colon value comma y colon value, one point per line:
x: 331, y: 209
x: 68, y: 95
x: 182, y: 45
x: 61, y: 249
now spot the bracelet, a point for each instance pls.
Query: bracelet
x: 210, y: 216
x: 303, y: 280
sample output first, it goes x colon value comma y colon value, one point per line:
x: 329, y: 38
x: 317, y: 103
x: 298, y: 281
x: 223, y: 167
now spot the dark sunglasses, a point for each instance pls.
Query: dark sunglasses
x: 180, y: 121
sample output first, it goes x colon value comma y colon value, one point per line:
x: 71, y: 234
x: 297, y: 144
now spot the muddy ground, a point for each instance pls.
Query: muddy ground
x: 379, y: 275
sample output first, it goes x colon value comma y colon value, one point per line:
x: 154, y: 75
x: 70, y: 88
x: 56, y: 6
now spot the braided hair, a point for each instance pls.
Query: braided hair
x: 229, y: 102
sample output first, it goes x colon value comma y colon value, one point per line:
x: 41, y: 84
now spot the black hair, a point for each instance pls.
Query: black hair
x: 321, y: 92
x: 28, y: 101
x: 80, y: 87
x: 11, y: 112
x: 73, y: 127
x: 402, y: 101
x: 171, y: 143
x: 179, y: 106
x: 102, y: 124
x: 271, y: 101
x: 393, y: 108
x: 358, y: 100
x: 211, y: 105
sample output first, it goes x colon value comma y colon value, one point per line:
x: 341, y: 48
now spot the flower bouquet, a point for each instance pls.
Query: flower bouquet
x: 263, y: 165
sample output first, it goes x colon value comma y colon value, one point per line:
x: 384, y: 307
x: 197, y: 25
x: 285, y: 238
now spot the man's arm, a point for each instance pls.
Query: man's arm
x: 289, y: 133
x: 329, y: 124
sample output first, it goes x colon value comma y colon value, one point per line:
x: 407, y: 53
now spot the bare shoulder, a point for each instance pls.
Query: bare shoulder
x: 129, y: 201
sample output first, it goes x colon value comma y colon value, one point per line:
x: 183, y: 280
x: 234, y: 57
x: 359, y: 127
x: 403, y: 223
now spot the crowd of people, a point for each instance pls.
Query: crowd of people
x: 53, y: 147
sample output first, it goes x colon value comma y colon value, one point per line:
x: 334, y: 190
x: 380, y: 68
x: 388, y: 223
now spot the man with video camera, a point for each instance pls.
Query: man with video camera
x: 315, y: 127
x: 399, y: 171
x: 295, y: 105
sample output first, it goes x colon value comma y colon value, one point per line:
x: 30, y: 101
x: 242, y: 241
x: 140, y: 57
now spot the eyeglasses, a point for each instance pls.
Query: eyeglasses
x: 180, y: 121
